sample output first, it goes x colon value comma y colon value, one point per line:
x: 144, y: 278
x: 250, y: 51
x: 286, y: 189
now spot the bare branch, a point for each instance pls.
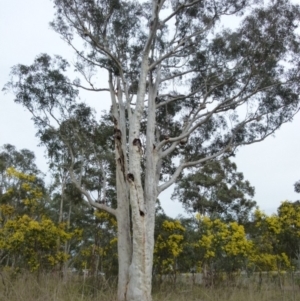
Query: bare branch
x: 89, y: 198
x: 92, y: 89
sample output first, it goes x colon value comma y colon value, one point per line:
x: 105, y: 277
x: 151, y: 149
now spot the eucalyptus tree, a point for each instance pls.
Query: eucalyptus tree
x: 289, y: 236
x: 183, y: 91
x: 23, y: 161
x: 78, y: 148
x: 217, y: 190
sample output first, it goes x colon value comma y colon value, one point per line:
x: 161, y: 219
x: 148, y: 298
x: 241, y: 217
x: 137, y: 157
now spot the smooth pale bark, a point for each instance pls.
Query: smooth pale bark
x: 124, y: 251
x: 138, y: 286
x: 151, y: 179
x: 135, y: 279
x: 142, y: 200
x: 124, y: 236
x: 67, y: 246
x: 61, y: 206
x: 123, y: 210
x: 136, y: 255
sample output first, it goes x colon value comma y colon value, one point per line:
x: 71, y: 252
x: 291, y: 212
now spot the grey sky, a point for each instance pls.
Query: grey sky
x: 272, y: 166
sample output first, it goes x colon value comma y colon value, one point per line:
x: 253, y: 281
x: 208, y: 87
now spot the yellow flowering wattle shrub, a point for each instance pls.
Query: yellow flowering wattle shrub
x: 168, y: 246
x: 29, y: 240
x: 33, y: 243
x: 224, y: 245
x: 268, y: 254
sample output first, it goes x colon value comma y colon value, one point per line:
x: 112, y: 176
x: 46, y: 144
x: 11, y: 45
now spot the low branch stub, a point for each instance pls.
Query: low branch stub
x: 183, y: 141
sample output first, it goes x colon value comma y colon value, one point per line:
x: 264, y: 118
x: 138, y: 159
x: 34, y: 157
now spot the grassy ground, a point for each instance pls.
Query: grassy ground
x: 51, y: 288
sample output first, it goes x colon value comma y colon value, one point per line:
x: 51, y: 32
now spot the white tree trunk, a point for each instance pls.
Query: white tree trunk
x: 124, y: 236
x: 124, y: 253
x: 140, y: 271
x: 142, y: 200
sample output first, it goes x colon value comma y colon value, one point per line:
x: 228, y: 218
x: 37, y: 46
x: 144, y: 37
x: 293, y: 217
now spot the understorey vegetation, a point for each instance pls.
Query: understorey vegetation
x: 52, y: 229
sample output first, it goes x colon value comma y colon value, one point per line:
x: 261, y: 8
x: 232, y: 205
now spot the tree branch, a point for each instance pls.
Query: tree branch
x: 92, y: 89
x: 89, y: 198
x: 182, y: 166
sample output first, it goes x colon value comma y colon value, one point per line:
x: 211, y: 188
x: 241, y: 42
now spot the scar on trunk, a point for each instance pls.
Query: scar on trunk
x: 121, y: 162
x: 118, y: 134
x: 142, y: 213
x: 130, y: 177
x: 137, y: 142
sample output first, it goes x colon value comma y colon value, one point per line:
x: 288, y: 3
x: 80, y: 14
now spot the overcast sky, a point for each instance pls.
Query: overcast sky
x: 272, y: 166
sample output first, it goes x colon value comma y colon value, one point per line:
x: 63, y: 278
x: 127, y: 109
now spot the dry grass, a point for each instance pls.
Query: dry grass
x: 52, y: 288
x: 227, y: 294
x: 249, y: 289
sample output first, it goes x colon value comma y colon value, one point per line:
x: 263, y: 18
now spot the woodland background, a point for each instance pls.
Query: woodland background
x: 51, y: 230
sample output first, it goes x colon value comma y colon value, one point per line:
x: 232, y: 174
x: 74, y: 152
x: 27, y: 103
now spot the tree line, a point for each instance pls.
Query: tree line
x: 47, y: 228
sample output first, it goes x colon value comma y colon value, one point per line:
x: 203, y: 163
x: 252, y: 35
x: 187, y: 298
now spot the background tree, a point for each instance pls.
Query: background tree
x: 189, y: 260
x: 217, y: 190
x: 20, y: 180
x: 97, y: 251
x: 289, y: 217
x: 297, y: 186
x: 80, y: 149
x: 220, y: 89
x: 23, y: 160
